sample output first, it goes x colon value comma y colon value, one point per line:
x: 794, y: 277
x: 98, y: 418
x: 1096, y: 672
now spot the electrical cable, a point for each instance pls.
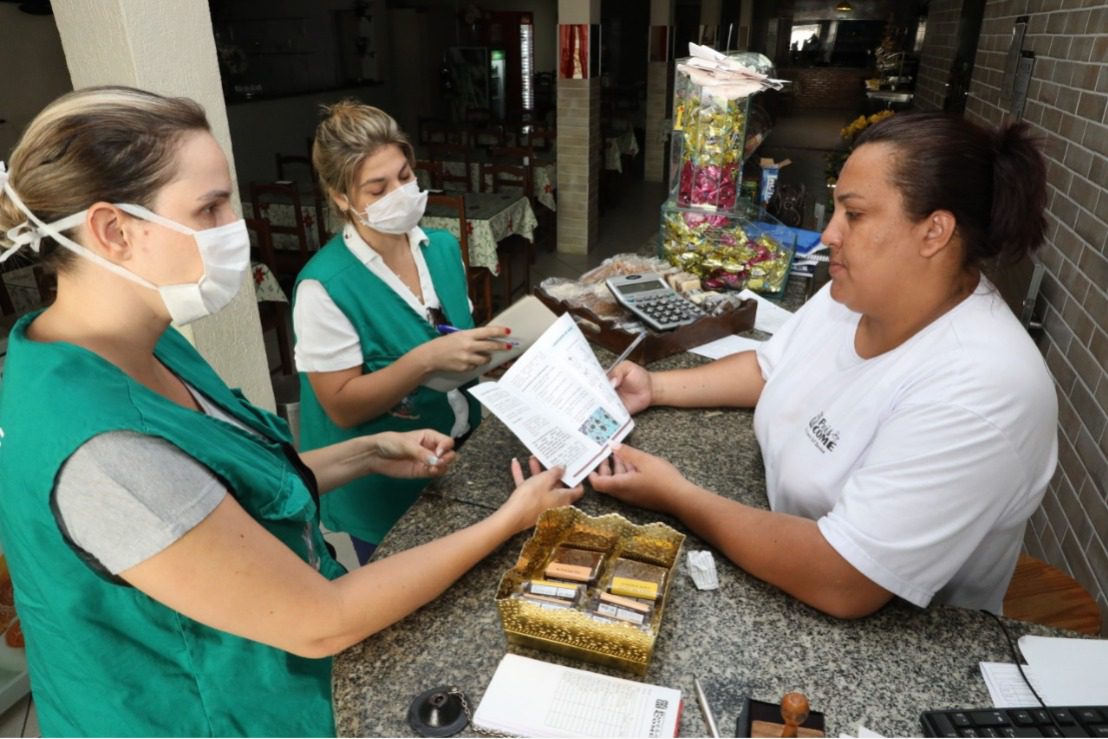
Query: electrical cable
x: 1017, y: 656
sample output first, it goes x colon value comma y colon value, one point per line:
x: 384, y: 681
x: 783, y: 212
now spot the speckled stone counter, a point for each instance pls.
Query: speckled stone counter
x: 744, y: 639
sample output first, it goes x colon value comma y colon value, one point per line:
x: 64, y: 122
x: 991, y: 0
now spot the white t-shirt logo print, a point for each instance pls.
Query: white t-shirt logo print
x: 820, y: 431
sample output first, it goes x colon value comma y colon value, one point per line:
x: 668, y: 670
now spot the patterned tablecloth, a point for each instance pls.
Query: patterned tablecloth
x: 545, y: 182
x: 616, y: 146
x: 281, y: 214
x: 490, y: 217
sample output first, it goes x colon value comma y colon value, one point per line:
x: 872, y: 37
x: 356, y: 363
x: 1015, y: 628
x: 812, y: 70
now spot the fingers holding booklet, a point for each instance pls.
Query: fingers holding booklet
x: 558, y: 401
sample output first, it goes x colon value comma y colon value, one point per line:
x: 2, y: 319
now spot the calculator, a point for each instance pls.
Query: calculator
x: 654, y: 302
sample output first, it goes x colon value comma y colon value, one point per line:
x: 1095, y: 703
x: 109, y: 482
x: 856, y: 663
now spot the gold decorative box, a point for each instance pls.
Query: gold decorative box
x: 571, y: 631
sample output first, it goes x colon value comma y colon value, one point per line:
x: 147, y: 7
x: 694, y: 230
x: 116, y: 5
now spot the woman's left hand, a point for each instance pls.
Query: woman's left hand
x: 638, y: 478
x: 423, y: 453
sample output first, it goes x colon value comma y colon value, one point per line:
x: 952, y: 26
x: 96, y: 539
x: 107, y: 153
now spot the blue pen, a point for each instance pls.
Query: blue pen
x: 445, y: 328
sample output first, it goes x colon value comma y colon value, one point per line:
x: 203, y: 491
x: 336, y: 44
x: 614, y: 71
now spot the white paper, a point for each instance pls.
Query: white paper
x: 770, y: 316
x: 1071, y: 671
x: 1007, y: 687
x: 558, y: 401
x: 726, y: 346
x: 702, y: 569
x: 528, y: 697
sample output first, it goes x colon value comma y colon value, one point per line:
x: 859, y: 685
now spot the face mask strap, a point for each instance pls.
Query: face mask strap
x: 33, y: 237
x: 148, y: 215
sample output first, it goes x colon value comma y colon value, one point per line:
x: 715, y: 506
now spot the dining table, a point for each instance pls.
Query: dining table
x: 544, y: 170
x: 617, y: 146
x: 744, y: 640
x: 490, y: 218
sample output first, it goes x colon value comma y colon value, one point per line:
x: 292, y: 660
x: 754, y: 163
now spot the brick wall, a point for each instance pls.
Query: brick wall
x: 826, y: 88
x: 939, y: 45
x: 579, y: 159
x: 1067, y: 103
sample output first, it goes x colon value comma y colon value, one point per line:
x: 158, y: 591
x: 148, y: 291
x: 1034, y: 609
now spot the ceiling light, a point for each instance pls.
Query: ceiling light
x: 844, y: 7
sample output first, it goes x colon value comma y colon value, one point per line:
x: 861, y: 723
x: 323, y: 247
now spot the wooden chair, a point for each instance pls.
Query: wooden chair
x: 488, y: 136
x: 274, y: 315
x: 433, y: 132
x: 523, y: 155
x: 539, y: 138
x: 45, y: 283
x: 496, y: 176
x: 478, y: 279
x: 1043, y: 594
x: 431, y: 170
x: 299, y: 170
x: 287, y: 263
x: 515, y: 176
x: 446, y: 153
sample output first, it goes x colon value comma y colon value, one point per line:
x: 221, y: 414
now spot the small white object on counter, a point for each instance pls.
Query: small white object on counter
x: 702, y: 568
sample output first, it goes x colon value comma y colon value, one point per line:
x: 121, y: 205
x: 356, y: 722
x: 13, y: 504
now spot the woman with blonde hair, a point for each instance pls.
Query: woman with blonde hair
x: 369, y: 310
x: 161, y: 533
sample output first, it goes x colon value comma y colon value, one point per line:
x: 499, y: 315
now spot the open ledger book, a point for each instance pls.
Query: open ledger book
x: 528, y: 697
x: 558, y: 401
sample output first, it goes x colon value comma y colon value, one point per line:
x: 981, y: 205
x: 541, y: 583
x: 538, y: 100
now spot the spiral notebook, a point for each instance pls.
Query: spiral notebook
x: 529, y: 697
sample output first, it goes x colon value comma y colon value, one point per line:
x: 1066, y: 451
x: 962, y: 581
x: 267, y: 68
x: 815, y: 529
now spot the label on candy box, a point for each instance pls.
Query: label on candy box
x: 634, y: 588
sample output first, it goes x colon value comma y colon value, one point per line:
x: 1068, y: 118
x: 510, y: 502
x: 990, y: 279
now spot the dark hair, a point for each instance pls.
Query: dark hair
x: 116, y: 144
x: 993, y: 181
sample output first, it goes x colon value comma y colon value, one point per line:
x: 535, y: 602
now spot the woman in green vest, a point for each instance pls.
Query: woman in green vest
x: 161, y: 532
x: 368, y: 311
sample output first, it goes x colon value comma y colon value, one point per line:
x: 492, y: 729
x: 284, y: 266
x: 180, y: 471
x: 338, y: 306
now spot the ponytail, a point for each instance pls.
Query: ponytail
x: 1016, y: 223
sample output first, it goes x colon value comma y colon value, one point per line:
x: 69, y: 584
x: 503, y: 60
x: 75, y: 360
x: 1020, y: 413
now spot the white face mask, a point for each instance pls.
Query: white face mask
x: 396, y: 213
x: 224, y: 252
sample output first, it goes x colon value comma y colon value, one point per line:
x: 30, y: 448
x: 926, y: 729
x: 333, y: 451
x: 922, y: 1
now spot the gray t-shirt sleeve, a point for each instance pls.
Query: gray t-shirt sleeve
x: 123, y: 497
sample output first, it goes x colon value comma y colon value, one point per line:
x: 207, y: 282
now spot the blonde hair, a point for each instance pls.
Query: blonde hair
x: 348, y: 133
x: 110, y: 144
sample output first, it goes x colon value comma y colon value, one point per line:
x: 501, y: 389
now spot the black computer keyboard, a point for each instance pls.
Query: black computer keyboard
x: 1069, y: 721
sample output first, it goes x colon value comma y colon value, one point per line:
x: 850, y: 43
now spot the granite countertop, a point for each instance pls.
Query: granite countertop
x: 746, y: 639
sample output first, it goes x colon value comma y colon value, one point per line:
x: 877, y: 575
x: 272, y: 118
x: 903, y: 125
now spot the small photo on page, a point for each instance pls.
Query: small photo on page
x: 599, y: 426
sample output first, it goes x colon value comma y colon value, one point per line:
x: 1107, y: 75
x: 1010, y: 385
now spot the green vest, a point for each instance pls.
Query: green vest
x: 105, y: 659
x: 387, y: 329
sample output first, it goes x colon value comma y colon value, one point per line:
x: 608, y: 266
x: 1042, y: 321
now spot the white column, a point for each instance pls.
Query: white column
x: 168, y: 48
x: 657, y: 89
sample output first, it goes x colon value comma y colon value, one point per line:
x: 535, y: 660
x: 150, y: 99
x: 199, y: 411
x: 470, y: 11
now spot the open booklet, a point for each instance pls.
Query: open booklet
x: 528, y: 697
x: 528, y: 318
x: 558, y: 401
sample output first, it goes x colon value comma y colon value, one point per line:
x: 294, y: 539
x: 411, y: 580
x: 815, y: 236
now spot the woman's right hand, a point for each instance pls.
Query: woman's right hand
x: 462, y: 351
x: 634, y: 386
x: 532, y: 496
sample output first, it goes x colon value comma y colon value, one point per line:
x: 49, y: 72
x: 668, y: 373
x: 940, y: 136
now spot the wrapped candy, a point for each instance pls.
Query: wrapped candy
x: 706, y: 151
x: 746, y: 249
x: 711, y: 101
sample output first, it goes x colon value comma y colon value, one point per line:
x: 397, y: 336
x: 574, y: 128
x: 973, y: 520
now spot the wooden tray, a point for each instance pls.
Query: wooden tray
x: 657, y: 344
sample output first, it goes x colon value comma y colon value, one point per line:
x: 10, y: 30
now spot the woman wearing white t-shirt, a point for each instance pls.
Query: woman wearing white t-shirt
x: 906, y: 419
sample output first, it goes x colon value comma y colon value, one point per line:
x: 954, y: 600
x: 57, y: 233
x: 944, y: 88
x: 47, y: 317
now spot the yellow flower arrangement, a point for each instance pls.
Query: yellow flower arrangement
x: 836, y: 159
x: 861, y: 123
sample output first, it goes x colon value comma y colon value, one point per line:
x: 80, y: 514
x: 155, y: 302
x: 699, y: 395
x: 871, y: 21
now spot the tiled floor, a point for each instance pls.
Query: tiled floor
x: 20, y: 719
